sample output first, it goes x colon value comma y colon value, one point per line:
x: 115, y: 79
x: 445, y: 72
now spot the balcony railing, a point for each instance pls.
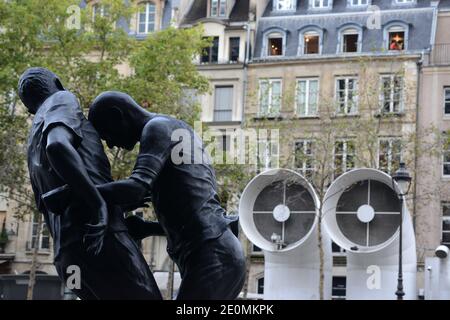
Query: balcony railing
x: 440, y: 54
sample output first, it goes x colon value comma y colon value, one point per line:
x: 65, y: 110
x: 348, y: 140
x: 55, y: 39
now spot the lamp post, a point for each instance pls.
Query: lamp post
x: 401, y: 182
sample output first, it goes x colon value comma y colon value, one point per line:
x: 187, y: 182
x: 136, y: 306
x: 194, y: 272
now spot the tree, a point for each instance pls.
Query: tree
x: 87, y: 59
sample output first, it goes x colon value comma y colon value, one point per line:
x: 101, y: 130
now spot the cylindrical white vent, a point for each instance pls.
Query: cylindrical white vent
x: 362, y: 211
x: 278, y: 210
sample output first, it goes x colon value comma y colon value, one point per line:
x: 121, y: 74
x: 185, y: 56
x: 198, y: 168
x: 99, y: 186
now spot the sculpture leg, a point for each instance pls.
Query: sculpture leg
x: 215, y: 270
x: 118, y: 272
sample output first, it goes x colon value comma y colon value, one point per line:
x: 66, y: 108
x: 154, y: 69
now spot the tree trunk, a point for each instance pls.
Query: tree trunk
x: 34, y: 259
x: 170, y: 278
x: 248, y: 262
x: 152, y: 252
x: 321, y: 257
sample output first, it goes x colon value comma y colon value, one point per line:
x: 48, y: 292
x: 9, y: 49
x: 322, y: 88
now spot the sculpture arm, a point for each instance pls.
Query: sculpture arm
x: 140, y: 229
x: 67, y: 163
x: 123, y: 192
x: 155, y: 149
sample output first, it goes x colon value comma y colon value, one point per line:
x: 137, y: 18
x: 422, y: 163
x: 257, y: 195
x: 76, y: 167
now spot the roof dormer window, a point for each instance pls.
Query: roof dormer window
x: 321, y: 4
x: 218, y: 8
x: 274, y: 43
x: 404, y: 1
x: 310, y: 40
x: 396, y: 36
x: 359, y: 3
x: 284, y: 5
x: 350, y: 39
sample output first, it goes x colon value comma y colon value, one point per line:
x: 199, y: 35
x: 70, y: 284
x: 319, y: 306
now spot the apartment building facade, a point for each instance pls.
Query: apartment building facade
x: 347, y: 62
x: 312, y: 63
x: 433, y: 184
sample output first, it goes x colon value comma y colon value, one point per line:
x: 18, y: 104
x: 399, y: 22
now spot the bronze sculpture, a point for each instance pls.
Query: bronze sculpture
x: 176, y: 172
x: 84, y: 208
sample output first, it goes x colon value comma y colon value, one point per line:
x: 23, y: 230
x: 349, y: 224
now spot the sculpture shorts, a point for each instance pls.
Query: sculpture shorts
x: 214, y: 271
x: 118, y: 272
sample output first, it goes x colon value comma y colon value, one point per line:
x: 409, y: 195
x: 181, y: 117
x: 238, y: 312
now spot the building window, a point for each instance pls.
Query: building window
x: 446, y: 224
x: 446, y: 159
x: 389, y: 154
x: 346, y: 95
x: 218, y: 8
x: 307, y: 97
x: 146, y: 21
x: 311, y: 42
x: 234, y: 48
x: 336, y: 250
x: 224, y: 143
x: 392, y: 94
x: 447, y: 101
x: 256, y: 249
x: 269, y: 97
x: 260, y: 284
x: 304, y: 161
x: 321, y: 3
x: 404, y: 1
x: 43, y: 240
x: 99, y: 10
x: 396, y: 38
x: 359, y: 2
x: 275, y: 44
x: 350, y: 40
x: 211, y: 54
x: 344, y: 156
x: 268, y: 154
x: 284, y: 5
x: 223, y: 103
x: 339, y: 288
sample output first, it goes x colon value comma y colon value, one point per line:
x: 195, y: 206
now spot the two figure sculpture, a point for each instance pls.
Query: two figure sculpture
x: 84, y: 208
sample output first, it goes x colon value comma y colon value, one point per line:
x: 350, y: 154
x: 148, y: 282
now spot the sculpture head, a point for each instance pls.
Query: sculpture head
x: 36, y: 85
x: 116, y: 117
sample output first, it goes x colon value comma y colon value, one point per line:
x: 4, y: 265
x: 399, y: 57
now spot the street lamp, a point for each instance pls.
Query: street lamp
x: 278, y: 241
x: 401, y: 182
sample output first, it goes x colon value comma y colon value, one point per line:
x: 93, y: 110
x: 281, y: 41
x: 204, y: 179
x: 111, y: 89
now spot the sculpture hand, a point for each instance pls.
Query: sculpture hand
x: 95, y: 233
x: 133, y: 206
x: 139, y: 229
x: 234, y: 224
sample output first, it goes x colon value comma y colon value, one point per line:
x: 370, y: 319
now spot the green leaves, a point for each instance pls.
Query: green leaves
x: 163, y: 65
x: 98, y: 56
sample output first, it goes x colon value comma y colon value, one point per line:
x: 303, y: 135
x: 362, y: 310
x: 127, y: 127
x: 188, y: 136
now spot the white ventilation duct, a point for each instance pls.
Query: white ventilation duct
x: 361, y: 213
x: 437, y: 275
x: 278, y: 212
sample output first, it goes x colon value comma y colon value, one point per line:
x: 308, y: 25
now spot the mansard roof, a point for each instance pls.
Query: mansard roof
x: 199, y: 11
x: 342, y: 6
x: 417, y: 17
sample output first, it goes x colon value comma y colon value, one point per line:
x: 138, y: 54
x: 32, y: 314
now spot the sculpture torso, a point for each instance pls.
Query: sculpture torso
x: 62, y: 108
x: 184, y: 194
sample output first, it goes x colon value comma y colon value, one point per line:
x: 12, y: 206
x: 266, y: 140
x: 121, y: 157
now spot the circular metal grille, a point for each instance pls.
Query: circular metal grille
x: 297, y: 205
x: 368, y: 213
